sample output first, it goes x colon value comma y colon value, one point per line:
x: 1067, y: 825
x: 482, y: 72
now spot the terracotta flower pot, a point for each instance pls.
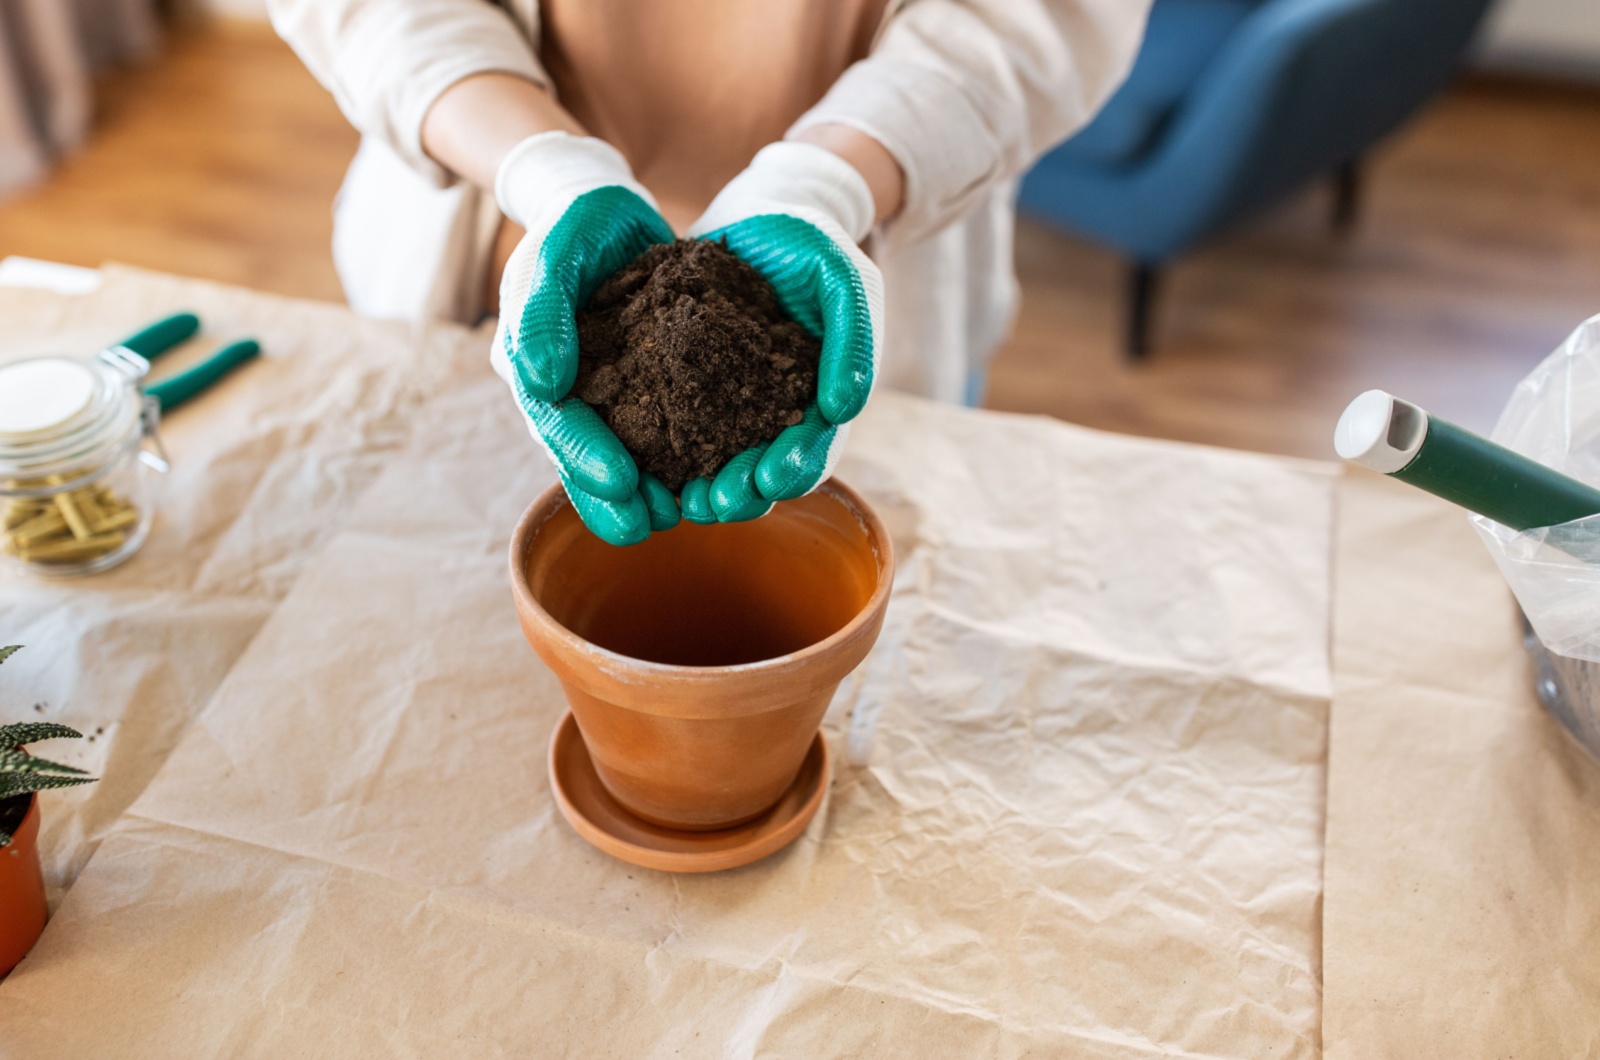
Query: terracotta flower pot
x: 22, y: 905
x: 699, y: 663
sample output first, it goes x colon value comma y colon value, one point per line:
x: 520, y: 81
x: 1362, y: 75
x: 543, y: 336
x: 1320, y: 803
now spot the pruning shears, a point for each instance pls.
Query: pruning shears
x: 156, y: 339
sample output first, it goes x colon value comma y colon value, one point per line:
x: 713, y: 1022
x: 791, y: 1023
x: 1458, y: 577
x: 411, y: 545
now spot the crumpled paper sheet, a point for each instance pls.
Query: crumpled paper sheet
x: 1090, y: 824
x: 1462, y: 912
x: 265, y: 466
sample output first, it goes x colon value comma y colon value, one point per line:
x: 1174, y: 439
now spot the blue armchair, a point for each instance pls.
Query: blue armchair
x: 1231, y: 106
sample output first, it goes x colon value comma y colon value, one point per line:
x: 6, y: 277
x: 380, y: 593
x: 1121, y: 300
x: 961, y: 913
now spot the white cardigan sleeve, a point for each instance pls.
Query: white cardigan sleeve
x: 386, y: 61
x: 966, y: 93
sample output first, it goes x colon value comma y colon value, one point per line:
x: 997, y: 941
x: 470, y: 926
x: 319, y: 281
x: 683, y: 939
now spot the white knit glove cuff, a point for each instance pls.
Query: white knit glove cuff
x: 799, y: 179
x: 539, y: 178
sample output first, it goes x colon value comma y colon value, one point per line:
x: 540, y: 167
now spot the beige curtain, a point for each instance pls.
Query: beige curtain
x: 49, y: 50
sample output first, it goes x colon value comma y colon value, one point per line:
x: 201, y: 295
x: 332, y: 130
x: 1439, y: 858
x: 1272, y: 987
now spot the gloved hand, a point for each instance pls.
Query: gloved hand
x: 796, y: 214
x: 586, y: 217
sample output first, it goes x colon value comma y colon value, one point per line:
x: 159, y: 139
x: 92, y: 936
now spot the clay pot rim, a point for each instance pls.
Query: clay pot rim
x: 548, y: 503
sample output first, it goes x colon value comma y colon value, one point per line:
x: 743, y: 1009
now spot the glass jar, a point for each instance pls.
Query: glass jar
x: 76, y: 485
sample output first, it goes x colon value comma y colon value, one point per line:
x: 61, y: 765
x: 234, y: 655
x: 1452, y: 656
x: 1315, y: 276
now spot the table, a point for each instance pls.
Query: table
x: 1081, y: 808
x: 1462, y: 909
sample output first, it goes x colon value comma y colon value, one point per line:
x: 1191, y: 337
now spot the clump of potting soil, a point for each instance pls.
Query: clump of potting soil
x: 690, y: 360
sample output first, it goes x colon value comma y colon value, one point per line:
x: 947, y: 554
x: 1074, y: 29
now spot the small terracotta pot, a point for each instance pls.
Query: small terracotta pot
x: 699, y: 663
x: 22, y: 905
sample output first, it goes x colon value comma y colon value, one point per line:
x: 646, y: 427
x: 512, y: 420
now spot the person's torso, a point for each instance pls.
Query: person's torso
x: 690, y: 90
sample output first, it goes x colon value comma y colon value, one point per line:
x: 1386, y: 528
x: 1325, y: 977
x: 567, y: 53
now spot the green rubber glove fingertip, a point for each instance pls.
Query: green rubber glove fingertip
x: 622, y: 524
x: 585, y: 449
x: 549, y: 374
x: 734, y: 496
x: 695, y: 501
x: 660, y: 502
x: 797, y: 458
x: 843, y: 400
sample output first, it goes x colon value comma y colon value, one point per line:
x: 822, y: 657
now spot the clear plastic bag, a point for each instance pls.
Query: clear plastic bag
x: 1554, y: 417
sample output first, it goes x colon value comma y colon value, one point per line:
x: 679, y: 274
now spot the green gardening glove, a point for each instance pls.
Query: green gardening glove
x: 586, y: 217
x: 797, y: 215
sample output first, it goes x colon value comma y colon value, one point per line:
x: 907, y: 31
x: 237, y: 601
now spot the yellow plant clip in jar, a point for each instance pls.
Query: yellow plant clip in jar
x: 76, y: 490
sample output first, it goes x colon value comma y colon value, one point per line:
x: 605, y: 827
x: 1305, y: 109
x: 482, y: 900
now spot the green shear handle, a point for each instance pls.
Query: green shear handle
x: 156, y: 339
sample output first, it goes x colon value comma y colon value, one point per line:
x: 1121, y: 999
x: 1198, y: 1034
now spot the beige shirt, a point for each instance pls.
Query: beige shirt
x: 964, y: 93
x: 690, y: 90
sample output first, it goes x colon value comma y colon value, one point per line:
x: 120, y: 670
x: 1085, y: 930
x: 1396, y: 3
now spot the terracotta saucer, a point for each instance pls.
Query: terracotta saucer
x: 590, y: 809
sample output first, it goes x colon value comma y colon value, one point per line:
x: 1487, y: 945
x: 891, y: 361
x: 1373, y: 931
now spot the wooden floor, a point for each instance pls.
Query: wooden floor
x: 1477, y: 251
x: 219, y: 160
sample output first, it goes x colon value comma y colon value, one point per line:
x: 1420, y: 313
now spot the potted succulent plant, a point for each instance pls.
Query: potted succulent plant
x: 22, y: 776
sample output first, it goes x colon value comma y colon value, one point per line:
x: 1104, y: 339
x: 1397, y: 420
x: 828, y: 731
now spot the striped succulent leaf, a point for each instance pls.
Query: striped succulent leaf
x: 23, y: 762
x: 20, y: 772
x: 27, y: 783
x: 33, y: 731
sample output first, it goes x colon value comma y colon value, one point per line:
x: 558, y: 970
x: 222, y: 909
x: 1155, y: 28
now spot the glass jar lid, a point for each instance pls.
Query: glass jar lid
x: 65, y: 417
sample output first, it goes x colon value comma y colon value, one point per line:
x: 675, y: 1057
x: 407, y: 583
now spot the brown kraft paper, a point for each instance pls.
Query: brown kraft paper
x: 265, y: 466
x: 1462, y: 914
x: 1078, y: 808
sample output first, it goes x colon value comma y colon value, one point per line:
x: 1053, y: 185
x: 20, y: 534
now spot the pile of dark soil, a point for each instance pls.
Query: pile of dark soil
x: 690, y: 360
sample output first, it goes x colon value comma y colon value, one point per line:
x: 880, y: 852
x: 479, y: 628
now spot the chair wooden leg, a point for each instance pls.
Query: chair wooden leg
x: 1143, y: 280
x: 1346, y: 196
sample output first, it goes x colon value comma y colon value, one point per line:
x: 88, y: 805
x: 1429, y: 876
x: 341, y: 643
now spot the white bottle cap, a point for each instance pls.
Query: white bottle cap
x: 1380, y: 431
